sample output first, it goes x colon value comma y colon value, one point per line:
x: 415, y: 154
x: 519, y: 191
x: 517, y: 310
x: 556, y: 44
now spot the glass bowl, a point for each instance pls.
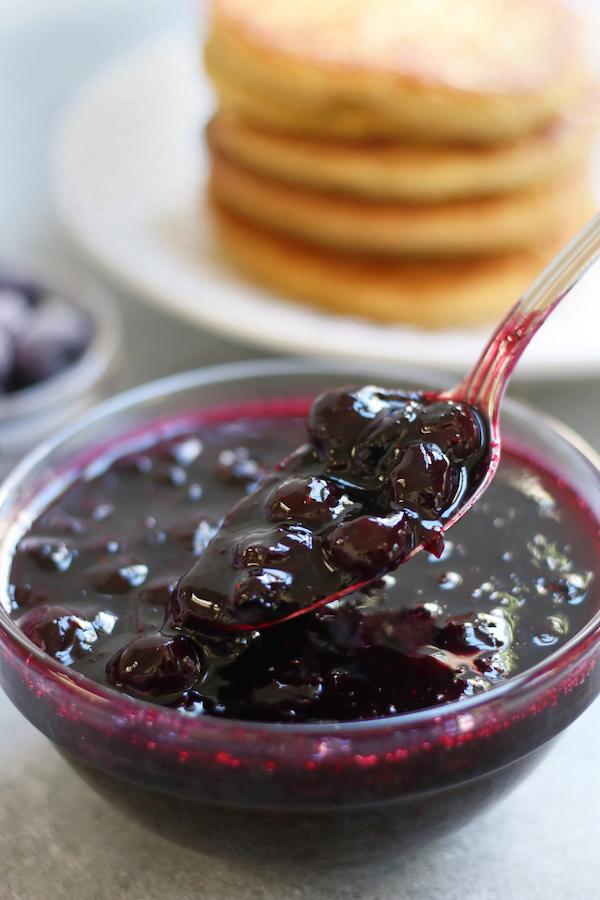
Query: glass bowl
x: 322, y: 794
x: 30, y: 414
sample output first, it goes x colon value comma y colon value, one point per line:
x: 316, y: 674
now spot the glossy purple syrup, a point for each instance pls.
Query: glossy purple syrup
x: 92, y: 580
x: 380, y: 474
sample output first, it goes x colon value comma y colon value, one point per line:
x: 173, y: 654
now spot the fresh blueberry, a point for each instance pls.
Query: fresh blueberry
x: 56, y: 338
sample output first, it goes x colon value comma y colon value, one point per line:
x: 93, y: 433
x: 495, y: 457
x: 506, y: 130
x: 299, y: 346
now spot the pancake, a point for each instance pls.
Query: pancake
x: 417, y: 173
x: 430, y: 294
x: 462, y: 228
x: 470, y: 70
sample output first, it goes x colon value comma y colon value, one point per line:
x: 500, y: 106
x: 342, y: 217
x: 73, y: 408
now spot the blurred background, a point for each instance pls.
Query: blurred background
x: 49, y: 50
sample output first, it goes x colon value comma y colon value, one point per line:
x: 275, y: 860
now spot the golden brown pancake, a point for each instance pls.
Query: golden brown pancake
x: 430, y: 294
x: 461, y: 228
x: 466, y: 70
x: 416, y: 173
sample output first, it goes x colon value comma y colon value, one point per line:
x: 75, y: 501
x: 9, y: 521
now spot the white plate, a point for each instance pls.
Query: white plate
x: 129, y: 169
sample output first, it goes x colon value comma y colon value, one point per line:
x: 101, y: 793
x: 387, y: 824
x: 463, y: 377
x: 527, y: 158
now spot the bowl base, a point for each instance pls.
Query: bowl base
x: 324, y: 838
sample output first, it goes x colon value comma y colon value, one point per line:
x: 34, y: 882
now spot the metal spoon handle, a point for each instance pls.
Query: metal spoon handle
x: 484, y: 385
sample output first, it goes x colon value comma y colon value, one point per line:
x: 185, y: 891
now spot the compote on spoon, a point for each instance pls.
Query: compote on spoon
x: 383, y: 475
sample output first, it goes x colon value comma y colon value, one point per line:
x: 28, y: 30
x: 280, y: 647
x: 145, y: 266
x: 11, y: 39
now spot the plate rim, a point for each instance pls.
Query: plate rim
x: 170, y: 45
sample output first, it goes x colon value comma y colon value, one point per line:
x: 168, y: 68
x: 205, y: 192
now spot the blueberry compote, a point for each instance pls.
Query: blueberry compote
x: 94, y: 581
x: 380, y: 473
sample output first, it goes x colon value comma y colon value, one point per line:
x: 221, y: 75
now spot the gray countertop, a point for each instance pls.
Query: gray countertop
x: 57, y: 838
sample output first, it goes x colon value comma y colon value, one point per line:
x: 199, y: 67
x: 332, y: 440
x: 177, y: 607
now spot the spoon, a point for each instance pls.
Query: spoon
x: 484, y: 386
x: 240, y: 581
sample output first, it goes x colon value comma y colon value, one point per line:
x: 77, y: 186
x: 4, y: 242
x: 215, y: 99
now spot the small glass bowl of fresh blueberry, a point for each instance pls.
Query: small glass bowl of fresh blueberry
x: 60, y: 338
x: 343, y: 735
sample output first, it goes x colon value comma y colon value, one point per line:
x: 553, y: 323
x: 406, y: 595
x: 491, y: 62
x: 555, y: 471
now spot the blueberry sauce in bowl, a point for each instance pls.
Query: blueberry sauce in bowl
x: 343, y: 734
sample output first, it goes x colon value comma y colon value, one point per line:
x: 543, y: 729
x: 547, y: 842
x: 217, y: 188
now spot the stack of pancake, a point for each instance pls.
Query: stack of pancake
x: 403, y: 160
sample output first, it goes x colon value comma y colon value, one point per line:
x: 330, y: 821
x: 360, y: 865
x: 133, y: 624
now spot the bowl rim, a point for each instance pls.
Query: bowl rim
x: 154, y: 390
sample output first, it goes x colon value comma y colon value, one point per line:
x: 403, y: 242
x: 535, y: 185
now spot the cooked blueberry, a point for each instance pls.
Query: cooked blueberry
x: 454, y: 427
x: 61, y: 524
x: 334, y: 421
x: 158, y: 591
x: 237, y: 467
x: 406, y: 629
x: 425, y: 478
x: 194, y: 531
x: 258, y: 594
x: 158, y: 666
x: 428, y: 532
x: 471, y: 633
x: 261, y: 593
x: 59, y: 631
x: 116, y: 575
x: 290, y: 547
x: 105, y: 622
x: 303, y: 500
x: 376, y: 451
x: 368, y: 546
x: 49, y: 554
x: 305, y: 458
